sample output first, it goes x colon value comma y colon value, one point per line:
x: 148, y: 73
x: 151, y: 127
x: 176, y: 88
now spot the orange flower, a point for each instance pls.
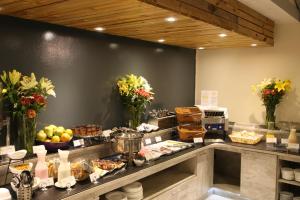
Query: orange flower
x: 31, y: 113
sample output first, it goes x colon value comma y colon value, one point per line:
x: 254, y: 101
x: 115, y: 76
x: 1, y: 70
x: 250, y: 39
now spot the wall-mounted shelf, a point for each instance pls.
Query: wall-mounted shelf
x: 289, y: 182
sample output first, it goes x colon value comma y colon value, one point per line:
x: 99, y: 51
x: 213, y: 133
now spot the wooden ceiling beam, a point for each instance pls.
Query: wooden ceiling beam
x: 228, y: 14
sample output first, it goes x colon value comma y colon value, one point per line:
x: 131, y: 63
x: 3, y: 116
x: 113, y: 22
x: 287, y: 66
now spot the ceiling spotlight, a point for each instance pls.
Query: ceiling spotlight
x: 1, y: 9
x: 201, y: 48
x: 253, y: 45
x: 161, y: 40
x: 170, y: 19
x: 222, y: 35
x: 100, y: 29
x: 48, y: 35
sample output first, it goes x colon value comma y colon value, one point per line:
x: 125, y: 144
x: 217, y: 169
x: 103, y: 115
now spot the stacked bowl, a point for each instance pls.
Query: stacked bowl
x: 134, y: 191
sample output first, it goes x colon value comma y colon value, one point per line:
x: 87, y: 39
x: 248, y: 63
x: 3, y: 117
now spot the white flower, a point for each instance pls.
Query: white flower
x: 28, y: 82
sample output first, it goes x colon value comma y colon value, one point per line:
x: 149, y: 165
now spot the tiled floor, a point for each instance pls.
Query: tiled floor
x: 216, y: 197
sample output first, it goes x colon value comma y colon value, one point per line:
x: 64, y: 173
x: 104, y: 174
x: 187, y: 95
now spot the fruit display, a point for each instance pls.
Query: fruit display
x: 54, y: 134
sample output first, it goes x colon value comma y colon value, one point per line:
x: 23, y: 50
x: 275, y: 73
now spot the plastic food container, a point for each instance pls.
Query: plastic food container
x: 287, y: 173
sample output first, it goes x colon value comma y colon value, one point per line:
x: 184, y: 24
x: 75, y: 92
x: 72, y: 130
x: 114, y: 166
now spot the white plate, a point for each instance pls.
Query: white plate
x: 59, y: 185
x: 116, y: 195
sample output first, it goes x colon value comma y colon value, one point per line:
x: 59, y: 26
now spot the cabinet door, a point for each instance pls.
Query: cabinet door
x: 258, y: 175
x: 205, y: 172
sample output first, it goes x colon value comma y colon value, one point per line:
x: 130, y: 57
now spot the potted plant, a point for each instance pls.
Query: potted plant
x: 136, y: 94
x: 24, y: 97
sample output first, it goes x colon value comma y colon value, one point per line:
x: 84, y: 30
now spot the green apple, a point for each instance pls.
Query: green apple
x: 55, y: 139
x: 59, y: 130
x: 49, y: 131
x: 41, y: 136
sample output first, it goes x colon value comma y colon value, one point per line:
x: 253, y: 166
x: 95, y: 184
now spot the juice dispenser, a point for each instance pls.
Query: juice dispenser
x: 41, y: 169
x: 64, y: 169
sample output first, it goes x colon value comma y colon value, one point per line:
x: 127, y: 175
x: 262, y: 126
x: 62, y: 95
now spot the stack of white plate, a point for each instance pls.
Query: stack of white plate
x: 287, y: 173
x: 297, y: 174
x: 134, y: 191
x: 116, y: 195
x: 286, y: 195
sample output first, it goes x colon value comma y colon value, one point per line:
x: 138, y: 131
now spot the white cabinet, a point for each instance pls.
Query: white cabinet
x: 258, y: 175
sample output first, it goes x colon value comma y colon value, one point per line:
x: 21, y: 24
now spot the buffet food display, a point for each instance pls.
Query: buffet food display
x: 245, y: 137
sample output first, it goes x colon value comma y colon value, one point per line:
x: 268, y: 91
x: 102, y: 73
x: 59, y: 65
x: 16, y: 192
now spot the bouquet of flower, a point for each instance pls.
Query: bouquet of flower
x: 271, y: 92
x: 24, y: 97
x: 136, y: 93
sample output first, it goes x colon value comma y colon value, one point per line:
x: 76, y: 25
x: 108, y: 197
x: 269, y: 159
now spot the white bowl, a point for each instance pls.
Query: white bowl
x: 17, y: 155
x: 297, y: 175
x: 16, y: 171
x: 287, y: 173
x: 134, y: 187
x: 5, y: 194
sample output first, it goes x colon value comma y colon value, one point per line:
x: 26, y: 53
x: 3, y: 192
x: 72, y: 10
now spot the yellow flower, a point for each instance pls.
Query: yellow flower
x: 254, y: 88
x: 47, y: 86
x: 279, y: 85
x: 28, y: 82
x: 4, y: 91
x: 14, y: 76
x: 287, y: 84
x: 4, y: 76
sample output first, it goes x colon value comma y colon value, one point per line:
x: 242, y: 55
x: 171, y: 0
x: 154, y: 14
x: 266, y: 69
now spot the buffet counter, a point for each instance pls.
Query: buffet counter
x: 189, y: 172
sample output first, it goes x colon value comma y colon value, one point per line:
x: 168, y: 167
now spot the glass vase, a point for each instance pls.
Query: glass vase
x: 135, y: 117
x: 270, y: 114
x: 26, y: 132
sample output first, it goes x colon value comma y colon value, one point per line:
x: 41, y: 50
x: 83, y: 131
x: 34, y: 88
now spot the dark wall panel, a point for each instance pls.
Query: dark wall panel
x: 84, y: 66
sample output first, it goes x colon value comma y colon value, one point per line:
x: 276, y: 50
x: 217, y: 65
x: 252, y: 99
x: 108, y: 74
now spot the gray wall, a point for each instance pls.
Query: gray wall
x: 84, y: 66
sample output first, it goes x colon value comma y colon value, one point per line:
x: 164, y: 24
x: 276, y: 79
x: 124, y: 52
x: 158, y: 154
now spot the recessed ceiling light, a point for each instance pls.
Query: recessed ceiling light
x: 161, y: 40
x: 222, y: 35
x: 253, y: 45
x: 100, y: 29
x: 1, y: 9
x: 201, y: 48
x: 48, y: 35
x: 170, y: 19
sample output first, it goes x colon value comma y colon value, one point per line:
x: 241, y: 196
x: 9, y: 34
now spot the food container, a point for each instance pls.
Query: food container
x: 297, y: 174
x: 245, y: 137
x: 86, y: 131
x: 188, y: 115
x: 128, y: 141
x: 18, y: 169
x: 188, y: 132
x: 287, y: 173
x: 80, y: 170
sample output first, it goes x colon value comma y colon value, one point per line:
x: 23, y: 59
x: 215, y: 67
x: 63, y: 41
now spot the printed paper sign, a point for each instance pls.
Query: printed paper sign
x: 293, y: 146
x: 94, y: 176
x: 158, y: 139
x: 284, y: 141
x: 271, y: 140
x: 148, y: 141
x: 78, y: 143
x: 198, y: 140
x: 209, y: 98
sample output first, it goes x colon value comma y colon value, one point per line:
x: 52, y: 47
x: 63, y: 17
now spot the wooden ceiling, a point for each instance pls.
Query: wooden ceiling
x: 198, y: 21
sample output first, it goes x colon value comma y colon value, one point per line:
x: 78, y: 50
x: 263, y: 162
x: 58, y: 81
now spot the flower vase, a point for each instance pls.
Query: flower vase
x: 26, y: 132
x: 270, y: 114
x: 135, y: 117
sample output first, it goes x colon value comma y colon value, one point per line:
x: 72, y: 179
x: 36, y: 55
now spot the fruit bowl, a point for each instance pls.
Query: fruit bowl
x: 54, y: 146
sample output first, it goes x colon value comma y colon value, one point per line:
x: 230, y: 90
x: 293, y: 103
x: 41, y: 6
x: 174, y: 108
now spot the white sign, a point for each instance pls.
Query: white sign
x: 38, y: 148
x: 148, y: 141
x: 271, y: 140
x: 47, y: 182
x: 198, y: 140
x: 284, y: 141
x: 78, y: 143
x: 94, y: 176
x: 209, y: 98
x: 7, y: 150
x: 293, y: 146
x: 158, y: 139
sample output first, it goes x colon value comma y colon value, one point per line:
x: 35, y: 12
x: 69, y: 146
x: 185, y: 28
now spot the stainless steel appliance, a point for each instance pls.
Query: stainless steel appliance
x: 215, y: 121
